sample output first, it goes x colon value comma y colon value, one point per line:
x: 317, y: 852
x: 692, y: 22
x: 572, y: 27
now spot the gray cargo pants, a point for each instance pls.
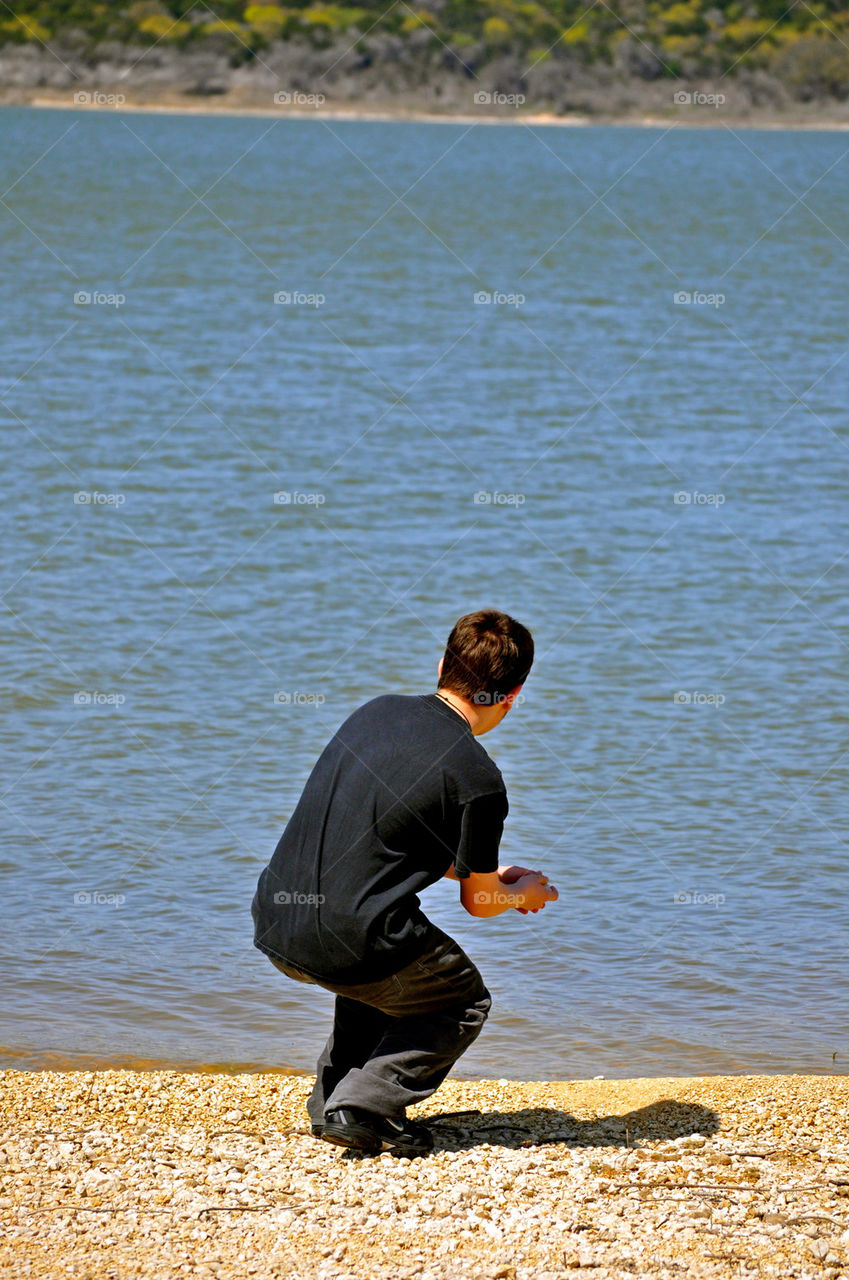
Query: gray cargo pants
x: 394, y: 1041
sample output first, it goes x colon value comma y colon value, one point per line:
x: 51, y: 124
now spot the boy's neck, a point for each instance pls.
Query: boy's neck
x: 480, y: 718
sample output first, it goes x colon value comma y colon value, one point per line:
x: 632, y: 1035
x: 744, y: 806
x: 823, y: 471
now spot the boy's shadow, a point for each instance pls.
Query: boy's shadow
x: 538, y: 1126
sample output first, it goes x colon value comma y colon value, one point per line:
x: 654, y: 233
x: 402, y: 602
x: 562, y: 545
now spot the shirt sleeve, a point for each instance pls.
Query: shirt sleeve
x: 480, y: 833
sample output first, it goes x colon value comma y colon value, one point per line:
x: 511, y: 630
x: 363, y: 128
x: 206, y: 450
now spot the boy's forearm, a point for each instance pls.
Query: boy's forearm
x: 488, y: 905
x: 505, y: 898
x: 492, y: 904
x: 493, y: 892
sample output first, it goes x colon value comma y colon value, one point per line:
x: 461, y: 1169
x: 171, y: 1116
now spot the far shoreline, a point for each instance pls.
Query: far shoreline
x: 398, y: 115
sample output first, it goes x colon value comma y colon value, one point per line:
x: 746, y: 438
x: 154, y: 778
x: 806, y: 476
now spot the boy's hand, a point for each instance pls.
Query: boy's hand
x: 532, y: 882
x: 509, y: 875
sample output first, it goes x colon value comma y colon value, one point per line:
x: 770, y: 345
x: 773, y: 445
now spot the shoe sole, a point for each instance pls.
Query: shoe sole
x: 362, y: 1140
x: 347, y: 1138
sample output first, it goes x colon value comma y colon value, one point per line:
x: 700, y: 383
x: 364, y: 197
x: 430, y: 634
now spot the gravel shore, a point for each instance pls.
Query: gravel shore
x: 131, y: 1175
x: 654, y: 114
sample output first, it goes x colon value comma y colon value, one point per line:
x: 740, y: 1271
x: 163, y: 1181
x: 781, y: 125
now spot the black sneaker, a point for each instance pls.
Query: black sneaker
x: 317, y: 1130
x: 365, y: 1131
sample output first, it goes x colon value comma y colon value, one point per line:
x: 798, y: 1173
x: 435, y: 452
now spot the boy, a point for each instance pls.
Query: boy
x: 401, y: 796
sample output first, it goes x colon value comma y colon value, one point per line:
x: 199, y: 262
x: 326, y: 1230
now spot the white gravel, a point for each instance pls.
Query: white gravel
x: 120, y: 1175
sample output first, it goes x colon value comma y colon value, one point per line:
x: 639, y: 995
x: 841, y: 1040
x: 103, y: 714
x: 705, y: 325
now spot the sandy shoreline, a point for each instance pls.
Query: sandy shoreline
x: 680, y: 119
x: 151, y: 1174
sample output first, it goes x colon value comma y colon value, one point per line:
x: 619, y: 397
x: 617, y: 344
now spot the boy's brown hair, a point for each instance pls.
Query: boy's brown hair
x: 488, y: 654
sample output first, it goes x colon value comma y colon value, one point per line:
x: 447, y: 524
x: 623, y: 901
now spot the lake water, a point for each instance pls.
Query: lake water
x: 657, y: 487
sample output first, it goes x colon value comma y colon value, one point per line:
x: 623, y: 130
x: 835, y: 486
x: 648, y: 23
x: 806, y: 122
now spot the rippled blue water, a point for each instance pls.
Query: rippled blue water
x: 679, y: 765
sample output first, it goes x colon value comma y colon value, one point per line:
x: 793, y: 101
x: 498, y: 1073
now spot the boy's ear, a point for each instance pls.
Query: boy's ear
x: 439, y: 668
x: 514, y: 693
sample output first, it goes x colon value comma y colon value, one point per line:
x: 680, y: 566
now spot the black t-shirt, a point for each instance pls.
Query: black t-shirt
x: 401, y: 791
